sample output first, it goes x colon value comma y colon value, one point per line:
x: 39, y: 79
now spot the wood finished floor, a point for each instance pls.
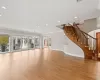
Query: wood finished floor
x: 46, y: 65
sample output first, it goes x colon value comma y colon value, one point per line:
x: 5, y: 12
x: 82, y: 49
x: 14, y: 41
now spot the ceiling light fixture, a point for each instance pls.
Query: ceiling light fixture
x: 38, y: 26
x: 59, y: 21
x: 46, y: 24
x: 0, y: 15
x: 75, y: 17
x: 3, y: 7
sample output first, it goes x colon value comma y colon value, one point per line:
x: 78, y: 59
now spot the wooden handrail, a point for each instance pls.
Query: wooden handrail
x: 83, y: 31
x: 83, y: 34
x: 87, y: 34
x: 82, y: 38
x: 78, y: 28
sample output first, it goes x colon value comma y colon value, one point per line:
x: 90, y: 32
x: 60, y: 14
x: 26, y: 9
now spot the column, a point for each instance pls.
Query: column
x: 41, y: 42
x: 10, y: 43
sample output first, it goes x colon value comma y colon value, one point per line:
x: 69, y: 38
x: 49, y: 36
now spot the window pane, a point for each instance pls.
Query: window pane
x: 4, y: 43
x: 25, y: 43
x: 37, y: 42
x: 17, y: 43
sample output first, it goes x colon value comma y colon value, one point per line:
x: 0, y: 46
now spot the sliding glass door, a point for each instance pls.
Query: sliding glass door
x: 37, y: 42
x: 17, y: 43
x: 25, y: 43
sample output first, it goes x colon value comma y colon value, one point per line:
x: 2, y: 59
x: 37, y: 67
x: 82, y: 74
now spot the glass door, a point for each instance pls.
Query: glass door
x: 37, y: 42
x: 17, y: 43
x: 31, y: 43
x: 24, y: 43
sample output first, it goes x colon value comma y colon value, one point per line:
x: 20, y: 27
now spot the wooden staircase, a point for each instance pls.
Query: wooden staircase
x: 86, y: 42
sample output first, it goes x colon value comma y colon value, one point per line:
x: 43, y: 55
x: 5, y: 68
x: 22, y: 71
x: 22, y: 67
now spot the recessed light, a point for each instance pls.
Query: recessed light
x: 0, y: 15
x: 3, y: 7
x: 75, y: 17
x: 59, y: 21
x: 46, y: 24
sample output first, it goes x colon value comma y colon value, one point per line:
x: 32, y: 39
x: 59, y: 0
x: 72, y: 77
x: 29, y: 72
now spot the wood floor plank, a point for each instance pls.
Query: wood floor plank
x: 46, y: 65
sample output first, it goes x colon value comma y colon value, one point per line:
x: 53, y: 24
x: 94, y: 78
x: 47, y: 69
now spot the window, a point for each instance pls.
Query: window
x: 4, y: 43
x: 18, y: 43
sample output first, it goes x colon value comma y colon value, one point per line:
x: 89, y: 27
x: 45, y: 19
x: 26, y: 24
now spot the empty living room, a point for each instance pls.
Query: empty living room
x: 49, y: 39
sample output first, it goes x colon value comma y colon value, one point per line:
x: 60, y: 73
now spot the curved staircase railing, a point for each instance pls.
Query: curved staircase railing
x: 83, y: 40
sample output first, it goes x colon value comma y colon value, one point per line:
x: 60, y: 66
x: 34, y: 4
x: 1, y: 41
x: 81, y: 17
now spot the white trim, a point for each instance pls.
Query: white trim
x: 53, y: 32
x: 4, y: 52
x: 73, y: 55
x: 58, y: 50
x: 68, y: 53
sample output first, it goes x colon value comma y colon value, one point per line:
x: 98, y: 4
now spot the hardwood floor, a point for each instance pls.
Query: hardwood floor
x: 46, y: 65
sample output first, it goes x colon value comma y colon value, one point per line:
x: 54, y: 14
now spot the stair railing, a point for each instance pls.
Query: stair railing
x: 84, y: 38
x: 89, y: 41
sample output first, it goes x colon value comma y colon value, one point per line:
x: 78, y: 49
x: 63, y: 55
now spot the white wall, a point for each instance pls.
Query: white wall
x: 73, y: 49
x: 93, y: 33
x: 89, y: 25
x: 60, y: 42
x: 92, y: 42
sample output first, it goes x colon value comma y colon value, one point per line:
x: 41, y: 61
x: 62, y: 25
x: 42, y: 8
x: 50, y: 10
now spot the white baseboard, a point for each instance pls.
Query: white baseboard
x: 68, y: 53
x: 73, y: 55
x: 57, y: 49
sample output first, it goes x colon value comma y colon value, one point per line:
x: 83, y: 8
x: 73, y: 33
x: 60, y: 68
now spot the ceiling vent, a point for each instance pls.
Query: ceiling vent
x: 78, y: 0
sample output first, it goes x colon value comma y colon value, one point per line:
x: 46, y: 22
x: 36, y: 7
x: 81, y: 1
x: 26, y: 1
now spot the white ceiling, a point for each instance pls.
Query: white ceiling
x: 28, y: 14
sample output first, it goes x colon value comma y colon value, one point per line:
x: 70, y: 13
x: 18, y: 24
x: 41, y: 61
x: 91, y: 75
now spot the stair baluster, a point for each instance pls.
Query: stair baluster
x: 84, y: 40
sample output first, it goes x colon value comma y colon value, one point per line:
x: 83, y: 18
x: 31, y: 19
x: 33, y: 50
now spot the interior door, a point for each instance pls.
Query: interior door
x: 98, y: 42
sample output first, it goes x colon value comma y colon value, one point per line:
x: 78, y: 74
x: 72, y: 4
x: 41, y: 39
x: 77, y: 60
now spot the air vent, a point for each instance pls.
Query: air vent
x: 78, y: 0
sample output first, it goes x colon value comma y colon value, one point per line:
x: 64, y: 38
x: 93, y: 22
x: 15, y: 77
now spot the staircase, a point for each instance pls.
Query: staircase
x: 86, y: 42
